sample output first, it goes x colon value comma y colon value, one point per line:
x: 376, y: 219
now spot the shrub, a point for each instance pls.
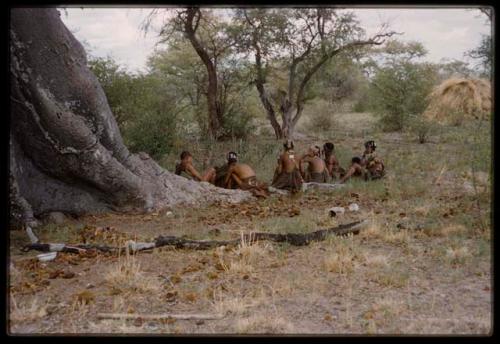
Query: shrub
x: 399, y: 91
x: 154, y: 132
x: 421, y: 128
x: 321, y: 116
x: 401, y: 85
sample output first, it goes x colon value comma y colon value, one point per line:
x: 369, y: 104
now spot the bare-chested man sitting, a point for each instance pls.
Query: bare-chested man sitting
x: 242, y: 176
x: 186, y: 166
x: 287, y: 174
x: 369, y: 166
x: 332, y: 164
x: 316, y: 169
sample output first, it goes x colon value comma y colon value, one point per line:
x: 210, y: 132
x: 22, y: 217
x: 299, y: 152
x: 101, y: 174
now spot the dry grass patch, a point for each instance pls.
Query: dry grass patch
x: 401, y: 236
x: 376, y: 261
x: 248, y: 254
x: 422, y: 210
x: 128, y: 276
x: 264, y: 324
x: 390, y: 278
x: 341, y: 262
x: 454, y: 229
x: 388, y: 307
x: 233, y: 306
x: 382, y: 313
x: 343, y: 257
x: 373, y: 230
x: 238, y: 305
x: 29, y: 310
x: 457, y: 255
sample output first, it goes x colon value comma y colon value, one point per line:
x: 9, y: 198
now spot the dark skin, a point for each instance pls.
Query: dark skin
x: 359, y: 169
x: 236, y: 173
x: 368, y: 150
x: 286, y: 163
x: 331, y: 162
x: 187, y: 166
x: 315, y: 163
x: 355, y: 170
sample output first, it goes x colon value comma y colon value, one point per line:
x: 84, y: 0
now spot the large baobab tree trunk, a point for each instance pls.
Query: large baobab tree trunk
x: 66, y: 151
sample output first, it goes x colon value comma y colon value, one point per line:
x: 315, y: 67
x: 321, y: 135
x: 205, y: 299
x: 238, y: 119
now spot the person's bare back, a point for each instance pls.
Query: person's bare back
x: 316, y: 164
x: 242, y: 171
x: 288, y: 162
x: 331, y: 163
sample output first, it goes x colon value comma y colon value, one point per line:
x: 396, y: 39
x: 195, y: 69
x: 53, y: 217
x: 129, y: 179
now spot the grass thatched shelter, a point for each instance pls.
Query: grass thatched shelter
x: 458, y: 99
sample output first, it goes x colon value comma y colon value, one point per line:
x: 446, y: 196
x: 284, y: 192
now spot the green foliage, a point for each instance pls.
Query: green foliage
x: 454, y: 69
x: 339, y: 81
x: 145, y: 107
x: 238, y: 124
x: 291, y: 47
x: 421, y: 128
x: 321, y: 116
x: 156, y: 120
x: 153, y: 132
x: 484, y: 55
x: 401, y: 86
x: 117, y: 84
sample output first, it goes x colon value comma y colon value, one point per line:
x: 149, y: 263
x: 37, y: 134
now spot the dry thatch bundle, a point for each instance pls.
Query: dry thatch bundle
x: 458, y: 99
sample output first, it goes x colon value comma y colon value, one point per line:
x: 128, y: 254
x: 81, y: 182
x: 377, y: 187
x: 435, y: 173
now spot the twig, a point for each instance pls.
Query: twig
x: 160, y: 316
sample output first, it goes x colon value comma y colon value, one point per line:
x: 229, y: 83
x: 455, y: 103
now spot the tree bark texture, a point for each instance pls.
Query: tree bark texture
x: 66, y: 151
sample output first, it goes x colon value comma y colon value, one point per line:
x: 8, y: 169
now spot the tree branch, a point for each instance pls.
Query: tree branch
x: 296, y: 239
x: 375, y: 40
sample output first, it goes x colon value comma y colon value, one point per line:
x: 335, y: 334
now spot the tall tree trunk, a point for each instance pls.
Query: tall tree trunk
x: 288, y: 127
x: 264, y: 99
x: 271, y: 114
x: 66, y: 150
x: 214, y: 115
x: 213, y: 105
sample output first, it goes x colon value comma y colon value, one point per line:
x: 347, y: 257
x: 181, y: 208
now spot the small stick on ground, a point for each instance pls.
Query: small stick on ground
x: 160, y: 316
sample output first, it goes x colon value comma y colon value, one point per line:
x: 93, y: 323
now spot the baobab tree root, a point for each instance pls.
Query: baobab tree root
x: 295, y: 239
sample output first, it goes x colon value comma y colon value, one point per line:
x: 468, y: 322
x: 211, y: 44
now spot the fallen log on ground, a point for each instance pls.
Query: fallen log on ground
x: 159, y: 316
x: 296, y: 239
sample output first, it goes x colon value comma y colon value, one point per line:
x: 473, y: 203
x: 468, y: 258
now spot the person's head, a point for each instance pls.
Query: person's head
x: 318, y: 150
x: 370, y: 146
x: 288, y: 145
x: 186, y: 156
x: 232, y: 157
x: 356, y: 160
x: 313, y: 150
x: 328, y: 147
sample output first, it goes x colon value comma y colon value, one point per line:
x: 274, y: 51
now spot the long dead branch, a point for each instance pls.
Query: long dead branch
x: 296, y: 239
x: 159, y: 316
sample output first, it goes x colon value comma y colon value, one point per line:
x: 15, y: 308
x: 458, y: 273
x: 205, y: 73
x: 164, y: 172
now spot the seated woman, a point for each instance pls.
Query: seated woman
x: 374, y: 166
x: 332, y: 164
x: 316, y: 169
x: 287, y: 174
x: 369, y: 166
x: 242, y: 176
x: 186, y: 166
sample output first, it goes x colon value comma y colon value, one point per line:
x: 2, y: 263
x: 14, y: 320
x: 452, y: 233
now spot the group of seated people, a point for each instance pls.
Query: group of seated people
x: 290, y: 173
